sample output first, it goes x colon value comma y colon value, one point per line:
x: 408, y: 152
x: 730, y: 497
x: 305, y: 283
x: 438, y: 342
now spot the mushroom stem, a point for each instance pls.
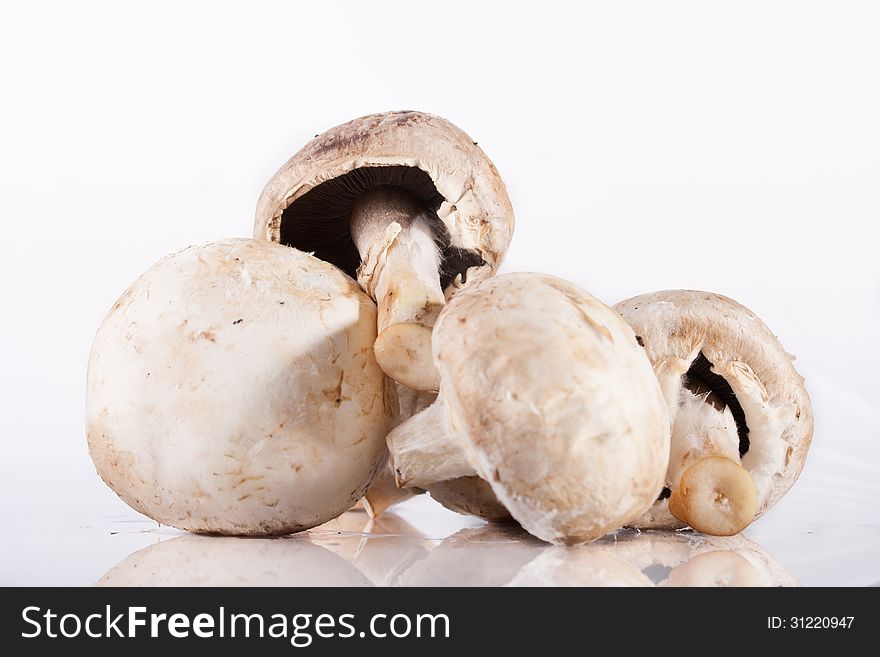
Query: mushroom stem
x: 426, y: 449
x: 383, y: 493
x: 702, y: 427
x: 715, y: 496
x: 400, y: 269
x: 711, y: 491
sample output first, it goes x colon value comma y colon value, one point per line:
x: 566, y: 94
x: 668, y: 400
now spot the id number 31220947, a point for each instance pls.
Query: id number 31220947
x: 810, y: 622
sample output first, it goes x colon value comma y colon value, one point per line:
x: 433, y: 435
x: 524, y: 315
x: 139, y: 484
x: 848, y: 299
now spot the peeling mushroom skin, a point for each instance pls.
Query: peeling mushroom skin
x: 233, y: 390
x: 546, y: 395
x: 734, y: 396
x: 406, y: 203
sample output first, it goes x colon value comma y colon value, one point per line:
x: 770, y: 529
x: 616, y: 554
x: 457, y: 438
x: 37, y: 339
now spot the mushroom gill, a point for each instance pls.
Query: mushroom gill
x: 700, y: 379
x: 714, y: 390
x: 319, y: 221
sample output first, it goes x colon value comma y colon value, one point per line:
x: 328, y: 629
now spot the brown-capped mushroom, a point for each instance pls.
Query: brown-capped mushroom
x: 547, y: 396
x: 233, y: 389
x: 742, y: 416
x: 409, y: 205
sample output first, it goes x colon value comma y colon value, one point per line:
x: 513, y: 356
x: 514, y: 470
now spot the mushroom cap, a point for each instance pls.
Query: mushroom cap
x: 232, y: 389
x: 676, y: 326
x: 469, y: 496
x: 461, y: 183
x: 556, y: 403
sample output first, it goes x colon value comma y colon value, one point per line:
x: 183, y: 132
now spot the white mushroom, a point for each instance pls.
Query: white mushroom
x: 547, y: 396
x: 742, y: 417
x: 233, y: 389
x: 409, y: 205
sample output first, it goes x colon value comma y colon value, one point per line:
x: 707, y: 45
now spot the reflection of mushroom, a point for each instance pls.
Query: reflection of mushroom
x: 691, y: 559
x: 407, y: 203
x: 483, y: 556
x: 232, y: 389
x: 742, y: 417
x: 381, y: 548
x: 718, y: 568
x: 215, y: 561
x: 584, y: 565
x: 547, y: 396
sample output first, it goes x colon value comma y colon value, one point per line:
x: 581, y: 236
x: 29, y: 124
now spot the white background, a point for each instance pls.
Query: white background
x: 729, y: 147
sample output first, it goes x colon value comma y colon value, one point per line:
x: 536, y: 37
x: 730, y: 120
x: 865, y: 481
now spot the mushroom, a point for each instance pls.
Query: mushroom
x: 216, y: 561
x: 465, y: 495
x: 742, y: 421
x: 547, y: 396
x: 232, y: 389
x: 406, y: 203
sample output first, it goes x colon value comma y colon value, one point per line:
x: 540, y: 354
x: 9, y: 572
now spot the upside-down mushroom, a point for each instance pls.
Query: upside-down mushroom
x: 406, y: 203
x: 546, y: 395
x: 224, y: 561
x: 685, y: 558
x: 742, y: 420
x: 232, y: 389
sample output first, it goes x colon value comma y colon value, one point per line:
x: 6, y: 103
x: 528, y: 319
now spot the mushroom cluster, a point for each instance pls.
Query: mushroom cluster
x: 360, y: 347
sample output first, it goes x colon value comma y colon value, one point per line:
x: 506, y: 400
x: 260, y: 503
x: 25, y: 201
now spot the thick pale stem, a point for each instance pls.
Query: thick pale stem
x: 703, y: 426
x: 711, y: 491
x: 715, y: 496
x: 383, y: 493
x: 401, y: 270
x: 426, y: 449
